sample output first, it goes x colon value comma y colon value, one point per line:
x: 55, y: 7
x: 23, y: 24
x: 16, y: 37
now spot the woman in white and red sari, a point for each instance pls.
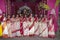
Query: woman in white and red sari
x: 36, y: 27
x: 17, y: 22
x: 9, y: 26
x: 31, y: 25
x: 40, y: 26
x: 13, y: 26
x: 21, y: 25
x: 44, y: 31
x: 5, y: 29
x: 26, y: 26
x: 51, y: 26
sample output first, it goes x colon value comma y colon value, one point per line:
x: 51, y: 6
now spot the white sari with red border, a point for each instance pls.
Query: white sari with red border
x: 31, y: 26
x: 44, y: 28
x: 26, y: 28
x: 36, y: 28
x: 51, y: 28
x: 9, y: 29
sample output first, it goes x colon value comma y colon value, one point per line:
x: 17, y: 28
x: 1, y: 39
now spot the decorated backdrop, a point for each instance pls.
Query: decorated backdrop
x: 3, y: 5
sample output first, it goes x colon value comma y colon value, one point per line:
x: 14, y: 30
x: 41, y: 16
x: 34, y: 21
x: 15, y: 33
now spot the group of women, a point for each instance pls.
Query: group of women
x: 19, y: 25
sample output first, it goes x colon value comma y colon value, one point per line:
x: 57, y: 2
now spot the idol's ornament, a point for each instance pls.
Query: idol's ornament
x: 46, y: 7
x: 57, y: 3
x: 43, y: 6
x: 24, y: 10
